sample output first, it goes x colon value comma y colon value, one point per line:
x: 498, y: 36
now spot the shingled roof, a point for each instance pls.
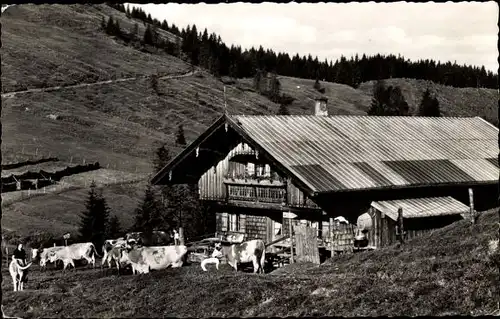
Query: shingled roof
x: 348, y: 153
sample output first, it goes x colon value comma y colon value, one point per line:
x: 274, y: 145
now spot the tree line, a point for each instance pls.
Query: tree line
x: 209, y: 51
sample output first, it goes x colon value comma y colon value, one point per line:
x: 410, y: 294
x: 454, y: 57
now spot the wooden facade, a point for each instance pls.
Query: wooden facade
x: 243, y: 180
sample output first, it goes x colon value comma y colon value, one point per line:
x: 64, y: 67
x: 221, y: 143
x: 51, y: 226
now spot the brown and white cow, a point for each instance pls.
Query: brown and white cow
x: 250, y: 251
x: 43, y: 254
x: 78, y: 251
x: 18, y: 274
x: 108, y: 246
x: 115, y: 255
x: 144, y: 259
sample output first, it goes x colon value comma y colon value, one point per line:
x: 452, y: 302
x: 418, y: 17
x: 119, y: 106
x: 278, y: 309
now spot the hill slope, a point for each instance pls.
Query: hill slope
x: 110, y: 112
x: 447, y: 272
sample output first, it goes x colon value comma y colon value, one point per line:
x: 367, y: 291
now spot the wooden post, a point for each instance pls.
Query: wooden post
x: 330, y: 234
x: 291, y: 240
x: 181, y: 236
x: 400, y: 227
x: 472, y: 215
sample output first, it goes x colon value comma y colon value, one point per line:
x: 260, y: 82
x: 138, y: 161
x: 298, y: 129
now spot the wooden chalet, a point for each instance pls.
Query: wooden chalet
x: 255, y: 168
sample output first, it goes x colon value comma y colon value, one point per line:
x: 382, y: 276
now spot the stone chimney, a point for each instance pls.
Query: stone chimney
x: 320, y: 108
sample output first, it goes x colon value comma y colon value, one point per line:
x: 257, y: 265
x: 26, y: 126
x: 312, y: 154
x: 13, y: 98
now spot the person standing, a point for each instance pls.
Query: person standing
x: 20, y: 255
x: 176, y: 238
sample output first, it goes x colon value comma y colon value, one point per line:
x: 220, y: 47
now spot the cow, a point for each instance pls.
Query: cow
x: 114, y: 255
x: 108, y: 245
x: 18, y: 274
x: 144, y: 259
x: 250, y: 251
x: 155, y: 238
x: 43, y: 254
x: 78, y: 251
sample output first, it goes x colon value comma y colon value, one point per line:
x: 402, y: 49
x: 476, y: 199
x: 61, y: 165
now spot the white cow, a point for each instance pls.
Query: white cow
x: 108, y: 246
x: 250, y: 251
x: 18, y: 274
x: 144, y: 259
x: 43, y: 254
x: 78, y: 251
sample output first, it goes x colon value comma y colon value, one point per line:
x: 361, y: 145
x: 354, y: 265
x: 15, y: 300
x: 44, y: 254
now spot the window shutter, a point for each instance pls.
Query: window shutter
x: 224, y: 222
x: 243, y: 221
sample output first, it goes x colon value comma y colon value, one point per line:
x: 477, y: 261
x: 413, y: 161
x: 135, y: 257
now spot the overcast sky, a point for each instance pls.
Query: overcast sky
x: 465, y: 32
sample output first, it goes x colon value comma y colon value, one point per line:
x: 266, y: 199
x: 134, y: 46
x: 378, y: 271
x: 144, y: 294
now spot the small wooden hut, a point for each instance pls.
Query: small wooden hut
x: 420, y: 216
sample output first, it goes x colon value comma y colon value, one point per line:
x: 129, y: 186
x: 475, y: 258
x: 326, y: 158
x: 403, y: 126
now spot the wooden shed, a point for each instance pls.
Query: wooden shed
x: 420, y: 216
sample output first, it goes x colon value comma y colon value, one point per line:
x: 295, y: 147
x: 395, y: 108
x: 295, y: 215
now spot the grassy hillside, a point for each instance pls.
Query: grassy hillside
x: 120, y: 123
x: 447, y: 272
x: 452, y: 101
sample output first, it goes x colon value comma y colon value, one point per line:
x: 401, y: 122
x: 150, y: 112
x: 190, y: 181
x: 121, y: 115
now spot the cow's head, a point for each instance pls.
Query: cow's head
x: 52, y: 257
x: 217, y: 253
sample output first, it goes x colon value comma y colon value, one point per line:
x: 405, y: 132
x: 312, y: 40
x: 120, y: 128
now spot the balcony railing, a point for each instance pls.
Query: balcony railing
x: 256, y: 193
x: 253, y: 179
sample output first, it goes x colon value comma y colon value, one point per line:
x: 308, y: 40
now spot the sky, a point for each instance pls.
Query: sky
x: 464, y: 32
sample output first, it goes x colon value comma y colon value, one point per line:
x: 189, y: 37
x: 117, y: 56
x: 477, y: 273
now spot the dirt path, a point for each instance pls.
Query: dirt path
x: 57, y: 88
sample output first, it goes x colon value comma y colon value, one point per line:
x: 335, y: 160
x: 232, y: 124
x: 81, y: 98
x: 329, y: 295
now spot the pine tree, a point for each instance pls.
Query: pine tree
x: 179, y: 137
x: 114, y: 227
x: 110, y: 26
x: 162, y: 158
x: 148, y: 216
x: 148, y: 36
x: 94, y: 220
x: 379, y: 99
x: 429, y: 106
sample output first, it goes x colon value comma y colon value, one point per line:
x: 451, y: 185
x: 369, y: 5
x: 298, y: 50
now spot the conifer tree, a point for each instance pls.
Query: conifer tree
x: 180, y: 139
x: 148, y: 216
x: 114, y: 228
x: 429, y: 106
x: 94, y: 220
x: 162, y: 158
x: 148, y: 36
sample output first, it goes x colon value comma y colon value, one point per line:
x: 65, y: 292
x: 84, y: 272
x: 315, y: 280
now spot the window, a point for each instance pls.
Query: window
x: 250, y: 169
x: 233, y: 222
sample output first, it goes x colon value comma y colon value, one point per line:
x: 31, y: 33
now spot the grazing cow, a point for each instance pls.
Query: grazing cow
x: 144, y: 259
x: 108, y: 245
x: 69, y: 253
x: 250, y: 251
x: 211, y: 260
x: 18, y: 274
x: 43, y: 254
x: 114, y: 254
x: 155, y: 238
